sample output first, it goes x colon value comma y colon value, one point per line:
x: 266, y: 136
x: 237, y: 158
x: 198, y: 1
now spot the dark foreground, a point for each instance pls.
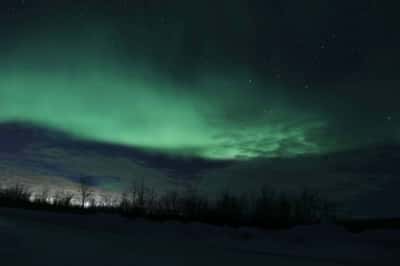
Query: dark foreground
x: 41, y: 238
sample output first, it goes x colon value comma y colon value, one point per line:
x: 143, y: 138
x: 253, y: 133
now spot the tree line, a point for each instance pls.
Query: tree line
x: 266, y: 208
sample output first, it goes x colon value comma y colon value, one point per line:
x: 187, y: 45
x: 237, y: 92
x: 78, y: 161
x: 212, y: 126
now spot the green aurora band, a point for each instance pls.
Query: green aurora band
x: 148, y: 114
x: 86, y: 89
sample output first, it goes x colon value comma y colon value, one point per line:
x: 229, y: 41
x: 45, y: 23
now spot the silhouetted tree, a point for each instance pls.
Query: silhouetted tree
x: 85, y: 190
x: 63, y: 199
x: 308, y: 207
x: 228, y: 209
x: 169, y: 202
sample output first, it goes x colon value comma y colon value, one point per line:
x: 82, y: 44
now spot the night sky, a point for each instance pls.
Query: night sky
x: 213, y: 80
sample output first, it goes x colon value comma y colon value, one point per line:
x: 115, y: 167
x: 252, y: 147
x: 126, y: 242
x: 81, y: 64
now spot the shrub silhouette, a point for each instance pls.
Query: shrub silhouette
x: 43, y: 197
x: 308, y: 207
x: 228, y: 209
x: 194, y: 207
x: 137, y: 201
x: 15, y: 196
x: 169, y: 203
x: 63, y: 200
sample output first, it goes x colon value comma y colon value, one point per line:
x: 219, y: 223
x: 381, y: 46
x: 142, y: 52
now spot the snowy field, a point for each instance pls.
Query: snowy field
x: 40, y: 238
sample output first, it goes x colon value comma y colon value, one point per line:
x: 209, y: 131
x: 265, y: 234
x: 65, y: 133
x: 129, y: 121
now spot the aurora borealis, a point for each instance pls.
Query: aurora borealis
x: 153, y: 114
x: 215, y: 95
x: 84, y: 89
x: 159, y: 79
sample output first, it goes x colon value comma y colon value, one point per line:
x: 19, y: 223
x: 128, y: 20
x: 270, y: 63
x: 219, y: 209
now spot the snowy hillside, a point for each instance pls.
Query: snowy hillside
x: 40, y: 238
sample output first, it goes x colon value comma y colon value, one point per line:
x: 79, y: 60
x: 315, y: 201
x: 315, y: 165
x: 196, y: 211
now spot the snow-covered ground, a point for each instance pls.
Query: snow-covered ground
x: 41, y: 238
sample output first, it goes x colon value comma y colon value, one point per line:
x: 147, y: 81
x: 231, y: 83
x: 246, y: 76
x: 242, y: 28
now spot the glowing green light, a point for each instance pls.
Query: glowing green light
x: 80, y: 90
